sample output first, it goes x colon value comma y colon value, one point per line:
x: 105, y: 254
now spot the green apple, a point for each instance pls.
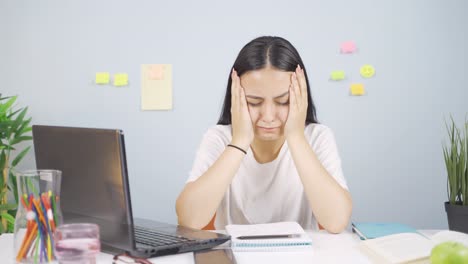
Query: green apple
x: 449, y: 253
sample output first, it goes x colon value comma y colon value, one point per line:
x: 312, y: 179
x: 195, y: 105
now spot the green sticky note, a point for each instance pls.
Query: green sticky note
x: 337, y: 75
x: 102, y: 78
x: 120, y: 79
x: 367, y: 71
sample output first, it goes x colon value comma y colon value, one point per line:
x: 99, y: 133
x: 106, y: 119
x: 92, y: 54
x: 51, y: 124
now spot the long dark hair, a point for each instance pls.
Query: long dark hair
x: 259, y: 53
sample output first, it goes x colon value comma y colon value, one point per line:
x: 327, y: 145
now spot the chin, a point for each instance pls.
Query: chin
x: 268, y: 136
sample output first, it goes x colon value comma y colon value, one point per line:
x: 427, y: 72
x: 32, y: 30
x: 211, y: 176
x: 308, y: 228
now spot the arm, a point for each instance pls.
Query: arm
x: 199, y: 200
x: 330, y: 203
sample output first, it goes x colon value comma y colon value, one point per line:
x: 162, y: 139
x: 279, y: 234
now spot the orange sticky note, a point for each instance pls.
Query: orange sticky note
x: 357, y: 89
x: 156, y: 72
x: 348, y: 47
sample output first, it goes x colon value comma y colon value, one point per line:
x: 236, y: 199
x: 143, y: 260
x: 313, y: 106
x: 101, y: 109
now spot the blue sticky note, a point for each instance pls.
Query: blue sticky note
x: 374, y: 230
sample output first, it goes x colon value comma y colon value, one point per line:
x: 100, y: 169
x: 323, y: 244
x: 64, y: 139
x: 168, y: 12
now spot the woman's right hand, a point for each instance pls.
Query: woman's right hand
x: 242, y: 131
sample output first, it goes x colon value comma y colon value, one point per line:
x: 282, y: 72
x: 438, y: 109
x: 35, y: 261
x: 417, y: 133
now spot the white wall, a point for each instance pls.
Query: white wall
x: 390, y: 140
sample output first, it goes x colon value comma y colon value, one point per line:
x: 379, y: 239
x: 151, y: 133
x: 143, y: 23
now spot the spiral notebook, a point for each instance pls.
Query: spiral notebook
x: 299, y: 240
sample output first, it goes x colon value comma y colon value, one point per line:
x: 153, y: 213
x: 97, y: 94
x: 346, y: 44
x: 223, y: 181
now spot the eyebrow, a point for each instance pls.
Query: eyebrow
x: 259, y: 97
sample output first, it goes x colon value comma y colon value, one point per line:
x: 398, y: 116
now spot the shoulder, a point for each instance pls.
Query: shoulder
x: 219, y: 130
x: 220, y: 133
x: 315, y: 131
x: 319, y: 136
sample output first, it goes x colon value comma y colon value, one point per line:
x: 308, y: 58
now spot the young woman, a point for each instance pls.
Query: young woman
x: 268, y: 159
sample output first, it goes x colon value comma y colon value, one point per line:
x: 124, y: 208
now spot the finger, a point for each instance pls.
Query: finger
x: 292, y: 98
x: 302, y: 82
x: 233, y: 89
x: 243, y: 101
x: 238, y: 91
x: 295, y: 84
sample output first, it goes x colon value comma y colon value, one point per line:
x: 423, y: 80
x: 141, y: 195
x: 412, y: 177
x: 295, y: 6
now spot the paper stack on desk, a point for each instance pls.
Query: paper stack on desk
x: 407, y: 247
x: 269, y: 237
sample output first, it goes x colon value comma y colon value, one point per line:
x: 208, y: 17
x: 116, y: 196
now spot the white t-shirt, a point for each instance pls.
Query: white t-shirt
x: 268, y: 192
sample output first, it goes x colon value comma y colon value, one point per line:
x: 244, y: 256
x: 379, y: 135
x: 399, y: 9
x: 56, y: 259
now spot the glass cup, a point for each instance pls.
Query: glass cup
x: 37, y: 216
x: 77, y: 243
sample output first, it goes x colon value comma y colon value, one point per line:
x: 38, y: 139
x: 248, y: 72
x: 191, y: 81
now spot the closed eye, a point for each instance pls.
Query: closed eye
x: 254, y: 104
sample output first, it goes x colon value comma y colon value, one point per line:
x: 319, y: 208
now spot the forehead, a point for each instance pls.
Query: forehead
x: 266, y: 82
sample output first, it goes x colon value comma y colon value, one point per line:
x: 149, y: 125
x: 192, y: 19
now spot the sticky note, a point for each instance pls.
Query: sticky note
x: 156, y: 72
x: 337, y: 75
x: 348, y: 47
x: 102, y: 78
x: 156, y: 87
x: 357, y: 89
x: 120, y: 79
x: 367, y: 71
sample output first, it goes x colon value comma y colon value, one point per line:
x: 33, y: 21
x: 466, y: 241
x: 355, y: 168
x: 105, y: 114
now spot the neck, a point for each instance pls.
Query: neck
x: 266, y: 151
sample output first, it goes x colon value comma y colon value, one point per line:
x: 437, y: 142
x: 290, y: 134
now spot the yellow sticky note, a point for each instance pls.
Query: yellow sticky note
x: 120, y: 79
x: 357, y: 89
x: 102, y: 78
x: 337, y: 75
x: 367, y: 71
x: 156, y: 86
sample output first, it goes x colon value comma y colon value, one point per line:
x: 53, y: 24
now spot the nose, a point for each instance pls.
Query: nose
x: 268, y: 112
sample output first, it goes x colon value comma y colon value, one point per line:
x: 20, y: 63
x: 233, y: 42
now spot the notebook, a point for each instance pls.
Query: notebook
x: 299, y: 241
x: 374, y: 230
x: 407, y: 247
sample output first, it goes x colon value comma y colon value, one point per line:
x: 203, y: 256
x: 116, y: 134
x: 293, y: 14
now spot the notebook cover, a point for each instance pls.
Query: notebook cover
x: 374, y: 230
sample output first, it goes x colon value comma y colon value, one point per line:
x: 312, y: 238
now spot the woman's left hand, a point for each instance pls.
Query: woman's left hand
x: 297, y: 104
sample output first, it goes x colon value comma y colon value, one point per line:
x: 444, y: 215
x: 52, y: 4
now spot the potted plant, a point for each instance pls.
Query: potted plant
x: 456, y: 162
x: 14, y: 129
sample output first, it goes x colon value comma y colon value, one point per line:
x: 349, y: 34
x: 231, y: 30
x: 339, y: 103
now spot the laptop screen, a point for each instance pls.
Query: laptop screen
x: 94, y: 177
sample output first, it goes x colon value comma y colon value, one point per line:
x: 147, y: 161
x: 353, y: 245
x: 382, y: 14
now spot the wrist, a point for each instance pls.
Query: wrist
x: 238, y: 148
x: 243, y: 144
x: 294, y: 137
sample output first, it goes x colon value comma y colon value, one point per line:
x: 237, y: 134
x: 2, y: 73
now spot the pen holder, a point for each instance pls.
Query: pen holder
x: 38, y: 215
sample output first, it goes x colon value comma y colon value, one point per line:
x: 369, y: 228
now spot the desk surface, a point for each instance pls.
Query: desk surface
x: 327, y: 248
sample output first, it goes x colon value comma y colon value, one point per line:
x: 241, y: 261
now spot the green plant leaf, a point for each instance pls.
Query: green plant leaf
x: 2, y: 159
x: 10, y: 219
x: 13, y: 185
x: 13, y: 114
x: 11, y: 227
x: 20, y: 139
x: 23, y: 127
x: 19, y: 119
x: 25, y: 130
x: 9, y: 206
x: 20, y: 157
x: 2, y: 166
x: 5, y: 107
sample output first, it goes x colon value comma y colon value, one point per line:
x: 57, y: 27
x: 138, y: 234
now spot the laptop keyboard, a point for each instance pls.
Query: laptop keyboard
x: 154, y: 238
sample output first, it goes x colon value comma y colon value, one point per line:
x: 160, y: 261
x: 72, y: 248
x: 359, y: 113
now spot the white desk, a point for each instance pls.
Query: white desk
x: 327, y: 248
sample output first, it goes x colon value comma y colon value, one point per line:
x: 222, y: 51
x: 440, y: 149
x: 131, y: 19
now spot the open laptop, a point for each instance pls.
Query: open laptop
x: 95, y: 189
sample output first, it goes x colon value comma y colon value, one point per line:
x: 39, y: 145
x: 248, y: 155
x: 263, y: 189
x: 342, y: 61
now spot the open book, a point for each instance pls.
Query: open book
x: 407, y: 247
x: 268, y: 237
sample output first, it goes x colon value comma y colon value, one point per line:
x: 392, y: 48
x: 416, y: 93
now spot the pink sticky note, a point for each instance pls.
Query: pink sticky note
x: 156, y: 72
x: 348, y: 47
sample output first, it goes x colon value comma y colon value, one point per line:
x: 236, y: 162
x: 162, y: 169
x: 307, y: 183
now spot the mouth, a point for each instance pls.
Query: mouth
x: 268, y: 128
